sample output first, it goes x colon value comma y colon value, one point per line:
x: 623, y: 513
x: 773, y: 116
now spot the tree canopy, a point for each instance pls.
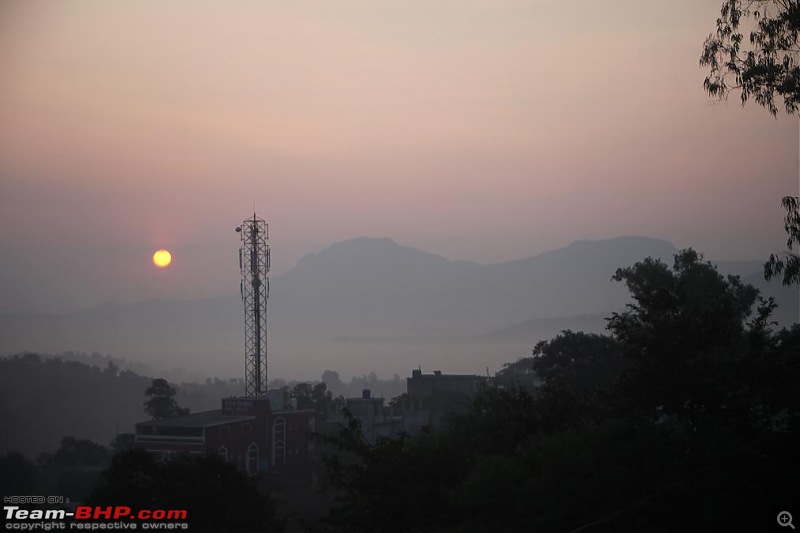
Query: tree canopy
x: 685, y: 418
x: 760, y: 63
x: 161, y: 403
x: 684, y: 328
x: 217, y: 497
x: 763, y: 67
x: 788, y: 263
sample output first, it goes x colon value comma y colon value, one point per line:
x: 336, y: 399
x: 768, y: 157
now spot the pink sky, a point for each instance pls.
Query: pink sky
x: 485, y: 131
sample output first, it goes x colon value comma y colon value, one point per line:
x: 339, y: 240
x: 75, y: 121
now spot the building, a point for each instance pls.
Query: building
x: 420, y: 386
x: 259, y: 435
x: 430, y: 397
x: 375, y: 417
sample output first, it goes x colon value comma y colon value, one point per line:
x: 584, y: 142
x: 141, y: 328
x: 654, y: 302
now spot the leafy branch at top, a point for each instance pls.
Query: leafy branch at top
x: 763, y: 67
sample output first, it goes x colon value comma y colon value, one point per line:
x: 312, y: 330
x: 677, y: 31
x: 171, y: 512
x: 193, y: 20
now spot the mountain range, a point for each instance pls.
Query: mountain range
x: 370, y: 304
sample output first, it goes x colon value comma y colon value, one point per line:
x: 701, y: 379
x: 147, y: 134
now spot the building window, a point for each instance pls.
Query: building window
x: 279, y: 441
x: 252, y: 459
x: 223, y: 452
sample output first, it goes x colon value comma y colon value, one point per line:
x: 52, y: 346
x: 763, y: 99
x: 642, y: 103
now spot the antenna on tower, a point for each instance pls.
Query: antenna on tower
x: 254, y: 265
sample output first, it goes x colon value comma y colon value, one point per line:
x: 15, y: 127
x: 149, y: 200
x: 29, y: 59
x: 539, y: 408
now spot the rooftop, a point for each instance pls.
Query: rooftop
x: 437, y: 374
x: 213, y: 417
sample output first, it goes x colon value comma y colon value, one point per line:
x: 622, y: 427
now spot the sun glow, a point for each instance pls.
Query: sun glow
x: 162, y: 258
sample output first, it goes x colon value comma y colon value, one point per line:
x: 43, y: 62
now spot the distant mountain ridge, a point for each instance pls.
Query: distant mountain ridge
x: 370, y: 282
x: 372, y: 304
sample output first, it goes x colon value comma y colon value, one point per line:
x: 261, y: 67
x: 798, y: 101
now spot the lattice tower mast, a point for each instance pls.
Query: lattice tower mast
x: 254, y: 286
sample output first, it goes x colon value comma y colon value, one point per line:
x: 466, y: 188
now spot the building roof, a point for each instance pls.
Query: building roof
x: 289, y: 412
x: 213, y: 417
x: 450, y: 377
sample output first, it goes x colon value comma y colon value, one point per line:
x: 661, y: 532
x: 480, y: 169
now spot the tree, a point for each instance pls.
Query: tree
x: 765, y: 69
x: 686, y: 334
x: 18, y: 475
x: 74, y: 467
x: 162, y: 402
x: 332, y: 380
x: 398, y: 404
x: 788, y: 263
x: 581, y: 362
x: 80, y: 452
x: 518, y: 374
x: 686, y: 418
x: 217, y: 497
x: 395, y: 485
x: 315, y: 397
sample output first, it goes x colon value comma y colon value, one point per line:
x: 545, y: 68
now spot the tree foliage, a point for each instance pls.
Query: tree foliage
x: 685, y: 330
x: 316, y: 397
x: 395, y: 485
x: 73, y: 468
x: 685, y: 418
x: 161, y: 403
x: 80, y: 452
x: 581, y: 362
x: 763, y: 67
x: 18, y: 475
x: 217, y: 497
x: 787, y: 263
x: 56, y: 396
x: 761, y: 62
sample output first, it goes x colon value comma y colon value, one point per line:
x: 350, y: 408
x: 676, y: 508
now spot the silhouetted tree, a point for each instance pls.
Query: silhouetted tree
x: 65, y: 400
x: 80, y: 452
x: 787, y: 263
x: 314, y: 396
x: 763, y: 64
x: 74, y: 467
x: 162, y: 402
x: 217, y: 497
x: 685, y: 332
x: 581, y: 362
x: 518, y: 374
x: 18, y: 475
x: 396, y: 485
x: 398, y: 404
x: 332, y: 380
x: 686, y: 418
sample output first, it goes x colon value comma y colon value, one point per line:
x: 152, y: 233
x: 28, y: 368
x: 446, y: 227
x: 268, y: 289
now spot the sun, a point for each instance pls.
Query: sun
x: 162, y: 258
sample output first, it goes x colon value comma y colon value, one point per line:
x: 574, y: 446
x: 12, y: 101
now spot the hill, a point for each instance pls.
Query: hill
x: 372, y: 304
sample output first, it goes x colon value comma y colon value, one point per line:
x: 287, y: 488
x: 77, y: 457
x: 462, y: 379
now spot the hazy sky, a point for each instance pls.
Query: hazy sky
x: 485, y: 131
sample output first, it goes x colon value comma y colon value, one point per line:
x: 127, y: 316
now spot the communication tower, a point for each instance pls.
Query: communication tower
x: 254, y: 286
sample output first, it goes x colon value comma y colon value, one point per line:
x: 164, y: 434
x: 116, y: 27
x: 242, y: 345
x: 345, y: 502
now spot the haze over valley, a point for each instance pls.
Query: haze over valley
x: 372, y: 305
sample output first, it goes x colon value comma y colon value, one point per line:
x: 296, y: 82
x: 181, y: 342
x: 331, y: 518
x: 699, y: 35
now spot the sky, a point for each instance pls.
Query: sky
x: 478, y: 130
